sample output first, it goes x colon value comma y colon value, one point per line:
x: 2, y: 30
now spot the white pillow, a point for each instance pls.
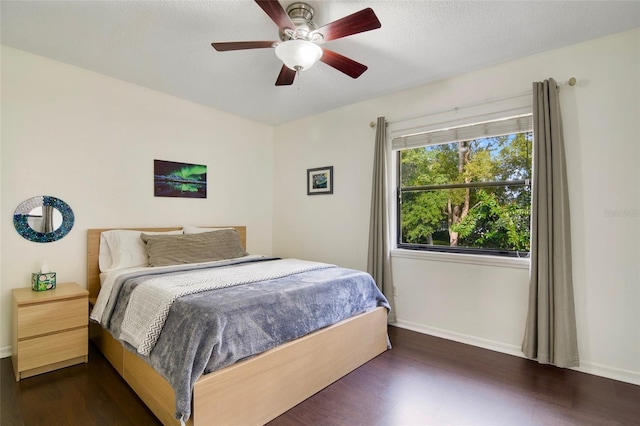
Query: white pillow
x: 198, y: 230
x: 123, y: 248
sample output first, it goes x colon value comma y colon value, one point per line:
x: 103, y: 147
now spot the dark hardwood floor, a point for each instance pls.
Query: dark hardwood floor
x: 423, y: 380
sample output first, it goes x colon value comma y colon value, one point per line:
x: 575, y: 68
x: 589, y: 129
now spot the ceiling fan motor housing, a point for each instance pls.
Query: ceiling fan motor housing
x: 301, y: 15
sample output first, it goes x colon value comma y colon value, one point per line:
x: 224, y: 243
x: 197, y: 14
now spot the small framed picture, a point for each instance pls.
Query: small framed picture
x: 320, y: 180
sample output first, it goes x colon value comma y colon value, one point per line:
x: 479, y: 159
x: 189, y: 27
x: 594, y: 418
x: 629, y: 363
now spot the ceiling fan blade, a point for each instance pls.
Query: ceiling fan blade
x: 348, y: 66
x: 286, y: 76
x: 276, y: 13
x: 240, y: 45
x: 359, y: 22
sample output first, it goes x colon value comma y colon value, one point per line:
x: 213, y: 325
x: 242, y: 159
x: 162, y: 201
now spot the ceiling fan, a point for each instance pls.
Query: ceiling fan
x: 300, y: 39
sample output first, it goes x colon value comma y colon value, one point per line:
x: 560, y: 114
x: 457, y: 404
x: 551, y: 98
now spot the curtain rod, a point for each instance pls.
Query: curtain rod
x: 571, y: 82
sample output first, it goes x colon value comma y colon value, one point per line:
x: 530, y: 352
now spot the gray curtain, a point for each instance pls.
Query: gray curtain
x: 550, y: 335
x: 378, y: 261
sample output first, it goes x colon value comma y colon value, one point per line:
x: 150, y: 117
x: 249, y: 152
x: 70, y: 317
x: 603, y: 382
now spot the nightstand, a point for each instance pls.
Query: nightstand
x: 50, y: 329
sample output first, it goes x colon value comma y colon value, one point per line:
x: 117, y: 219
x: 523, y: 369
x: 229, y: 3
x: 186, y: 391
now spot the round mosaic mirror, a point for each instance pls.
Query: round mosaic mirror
x: 43, y: 219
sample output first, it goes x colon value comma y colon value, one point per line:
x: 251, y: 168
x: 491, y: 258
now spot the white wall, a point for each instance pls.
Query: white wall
x: 486, y: 305
x: 91, y: 141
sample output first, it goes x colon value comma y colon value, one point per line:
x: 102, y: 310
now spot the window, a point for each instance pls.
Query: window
x: 466, y: 189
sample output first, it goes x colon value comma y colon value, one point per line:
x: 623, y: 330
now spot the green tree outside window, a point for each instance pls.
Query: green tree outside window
x: 472, y: 194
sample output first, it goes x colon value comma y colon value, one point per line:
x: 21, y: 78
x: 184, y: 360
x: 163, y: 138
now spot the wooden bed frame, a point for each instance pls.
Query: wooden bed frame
x: 254, y: 391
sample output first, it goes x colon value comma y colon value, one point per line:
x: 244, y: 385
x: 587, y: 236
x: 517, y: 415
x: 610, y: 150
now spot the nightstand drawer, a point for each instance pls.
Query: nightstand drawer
x: 45, y: 318
x: 53, y: 348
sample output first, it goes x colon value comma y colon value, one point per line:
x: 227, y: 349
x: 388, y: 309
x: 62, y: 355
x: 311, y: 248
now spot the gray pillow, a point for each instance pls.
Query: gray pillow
x: 164, y: 250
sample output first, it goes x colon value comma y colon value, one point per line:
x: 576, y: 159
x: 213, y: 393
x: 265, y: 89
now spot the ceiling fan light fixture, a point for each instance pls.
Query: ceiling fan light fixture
x: 298, y: 55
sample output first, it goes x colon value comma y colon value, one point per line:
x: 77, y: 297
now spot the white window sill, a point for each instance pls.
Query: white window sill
x: 469, y: 259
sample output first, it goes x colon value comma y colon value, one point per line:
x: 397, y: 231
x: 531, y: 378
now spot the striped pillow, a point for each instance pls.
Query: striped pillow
x: 164, y: 250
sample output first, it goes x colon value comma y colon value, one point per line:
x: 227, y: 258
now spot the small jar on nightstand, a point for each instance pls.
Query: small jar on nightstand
x: 50, y: 329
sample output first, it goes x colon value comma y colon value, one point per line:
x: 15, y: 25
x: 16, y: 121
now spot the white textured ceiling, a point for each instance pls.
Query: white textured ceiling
x: 166, y: 45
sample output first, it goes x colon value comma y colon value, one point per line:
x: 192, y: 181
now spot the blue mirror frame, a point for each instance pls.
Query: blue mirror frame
x: 21, y: 219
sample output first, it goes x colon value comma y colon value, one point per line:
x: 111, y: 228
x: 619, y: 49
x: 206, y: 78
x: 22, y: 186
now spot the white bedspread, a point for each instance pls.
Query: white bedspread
x: 150, y: 302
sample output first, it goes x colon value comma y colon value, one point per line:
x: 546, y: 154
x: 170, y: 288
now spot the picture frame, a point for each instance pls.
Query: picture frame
x: 183, y: 180
x: 320, y: 180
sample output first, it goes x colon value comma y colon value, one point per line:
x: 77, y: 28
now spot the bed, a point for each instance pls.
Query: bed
x: 255, y: 389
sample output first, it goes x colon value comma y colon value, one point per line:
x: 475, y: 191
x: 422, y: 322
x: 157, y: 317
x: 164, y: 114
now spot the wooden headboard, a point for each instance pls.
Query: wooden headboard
x: 93, y: 250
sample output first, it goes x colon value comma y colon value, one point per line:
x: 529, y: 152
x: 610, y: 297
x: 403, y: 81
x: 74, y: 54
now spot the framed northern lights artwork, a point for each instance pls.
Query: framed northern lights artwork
x: 171, y: 179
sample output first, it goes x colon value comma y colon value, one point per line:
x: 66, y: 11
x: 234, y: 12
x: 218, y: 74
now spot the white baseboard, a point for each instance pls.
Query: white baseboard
x: 5, y: 352
x: 595, y: 369
x: 614, y: 373
x: 461, y: 338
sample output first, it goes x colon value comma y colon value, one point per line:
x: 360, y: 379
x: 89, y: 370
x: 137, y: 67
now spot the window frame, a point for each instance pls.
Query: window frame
x: 499, y: 253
